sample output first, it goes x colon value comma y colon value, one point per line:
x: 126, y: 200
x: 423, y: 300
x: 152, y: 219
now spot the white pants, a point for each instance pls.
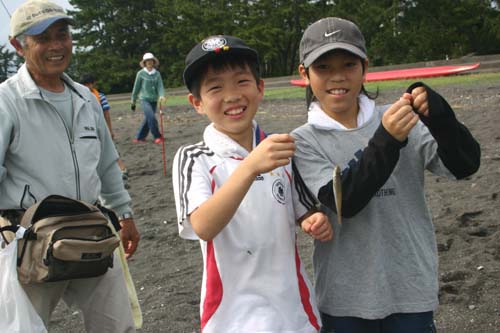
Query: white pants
x: 103, y: 300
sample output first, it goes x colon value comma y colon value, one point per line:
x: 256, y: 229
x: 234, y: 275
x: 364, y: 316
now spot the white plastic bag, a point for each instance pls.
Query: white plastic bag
x: 17, y: 314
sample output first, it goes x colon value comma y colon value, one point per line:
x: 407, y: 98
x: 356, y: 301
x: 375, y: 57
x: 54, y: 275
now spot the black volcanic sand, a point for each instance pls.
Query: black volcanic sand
x: 167, y: 269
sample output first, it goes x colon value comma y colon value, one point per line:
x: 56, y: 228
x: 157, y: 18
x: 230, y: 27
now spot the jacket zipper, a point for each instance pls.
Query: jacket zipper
x: 71, y: 144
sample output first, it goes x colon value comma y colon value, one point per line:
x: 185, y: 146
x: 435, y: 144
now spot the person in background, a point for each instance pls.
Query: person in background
x: 54, y: 141
x: 380, y: 272
x: 148, y: 87
x: 89, y: 81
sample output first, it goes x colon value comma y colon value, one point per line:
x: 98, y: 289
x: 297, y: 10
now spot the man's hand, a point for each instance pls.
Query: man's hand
x: 399, y: 119
x: 132, y: 106
x: 273, y: 152
x: 420, y: 102
x: 318, y: 226
x: 130, y: 237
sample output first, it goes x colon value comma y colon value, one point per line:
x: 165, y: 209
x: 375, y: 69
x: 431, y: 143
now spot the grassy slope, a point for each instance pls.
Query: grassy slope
x: 294, y: 92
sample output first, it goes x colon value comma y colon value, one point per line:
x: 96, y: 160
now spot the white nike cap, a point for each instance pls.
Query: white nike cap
x: 329, y: 34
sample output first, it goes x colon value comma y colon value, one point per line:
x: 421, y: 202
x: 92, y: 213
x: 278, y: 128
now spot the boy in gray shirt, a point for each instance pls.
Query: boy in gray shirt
x: 380, y: 272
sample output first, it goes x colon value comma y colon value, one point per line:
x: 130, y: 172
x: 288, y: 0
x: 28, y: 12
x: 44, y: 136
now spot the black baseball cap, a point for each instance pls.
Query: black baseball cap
x: 329, y: 34
x: 210, y: 48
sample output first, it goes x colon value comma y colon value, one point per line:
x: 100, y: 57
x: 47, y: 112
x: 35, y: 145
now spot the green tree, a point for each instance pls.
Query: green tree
x: 430, y: 30
x: 273, y: 28
x: 8, y: 63
x: 112, y: 37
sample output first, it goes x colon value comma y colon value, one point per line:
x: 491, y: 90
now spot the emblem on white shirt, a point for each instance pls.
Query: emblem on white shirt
x: 279, y: 191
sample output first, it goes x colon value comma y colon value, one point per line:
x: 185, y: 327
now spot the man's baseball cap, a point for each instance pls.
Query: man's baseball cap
x: 328, y: 34
x: 34, y: 17
x: 210, y: 48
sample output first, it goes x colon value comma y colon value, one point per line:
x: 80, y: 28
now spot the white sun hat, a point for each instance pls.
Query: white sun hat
x: 149, y: 56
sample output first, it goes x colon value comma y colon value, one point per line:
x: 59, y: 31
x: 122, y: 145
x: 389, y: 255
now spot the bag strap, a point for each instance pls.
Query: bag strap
x: 111, y: 215
x: 28, y: 234
x: 12, y: 228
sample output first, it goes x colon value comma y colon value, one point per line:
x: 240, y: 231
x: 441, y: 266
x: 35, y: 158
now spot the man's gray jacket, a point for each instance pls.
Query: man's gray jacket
x: 40, y: 155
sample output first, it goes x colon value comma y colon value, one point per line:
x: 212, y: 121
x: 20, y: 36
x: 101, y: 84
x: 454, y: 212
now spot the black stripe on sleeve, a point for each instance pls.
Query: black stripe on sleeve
x: 305, y: 195
x: 186, y: 162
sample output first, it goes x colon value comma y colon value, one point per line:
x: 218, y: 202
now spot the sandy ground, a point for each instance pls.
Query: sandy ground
x: 167, y: 269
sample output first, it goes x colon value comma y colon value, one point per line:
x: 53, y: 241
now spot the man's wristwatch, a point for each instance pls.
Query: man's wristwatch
x: 125, y: 216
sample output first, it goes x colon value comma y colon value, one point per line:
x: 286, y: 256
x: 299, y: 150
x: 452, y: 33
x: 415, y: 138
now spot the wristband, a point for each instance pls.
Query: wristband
x: 125, y: 216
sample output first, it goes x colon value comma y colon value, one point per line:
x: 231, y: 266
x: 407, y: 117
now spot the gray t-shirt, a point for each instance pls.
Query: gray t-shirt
x: 63, y: 104
x: 384, y: 259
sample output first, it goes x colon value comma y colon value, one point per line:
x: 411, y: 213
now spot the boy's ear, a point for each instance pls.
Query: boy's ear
x: 303, y: 73
x: 196, y: 103
x: 260, y: 86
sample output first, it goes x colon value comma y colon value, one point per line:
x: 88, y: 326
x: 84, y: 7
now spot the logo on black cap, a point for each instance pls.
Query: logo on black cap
x: 213, y: 43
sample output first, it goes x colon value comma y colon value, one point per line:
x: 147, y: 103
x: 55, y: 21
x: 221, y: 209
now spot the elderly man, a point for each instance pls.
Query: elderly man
x: 54, y: 140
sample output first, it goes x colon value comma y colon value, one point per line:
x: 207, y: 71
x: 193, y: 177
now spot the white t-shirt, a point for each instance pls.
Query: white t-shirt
x: 253, y: 279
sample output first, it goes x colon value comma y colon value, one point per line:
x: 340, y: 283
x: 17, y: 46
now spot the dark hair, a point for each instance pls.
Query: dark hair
x: 311, y: 98
x: 221, y: 62
x: 87, y: 78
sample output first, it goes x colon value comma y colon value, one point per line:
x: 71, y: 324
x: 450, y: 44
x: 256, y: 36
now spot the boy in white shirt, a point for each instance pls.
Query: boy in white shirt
x: 236, y: 192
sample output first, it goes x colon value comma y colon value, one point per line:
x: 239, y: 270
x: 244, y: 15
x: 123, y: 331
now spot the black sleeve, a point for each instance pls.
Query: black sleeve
x: 305, y: 195
x: 361, y: 180
x: 457, y: 148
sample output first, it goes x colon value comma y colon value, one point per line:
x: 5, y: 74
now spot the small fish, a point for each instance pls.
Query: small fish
x: 337, y: 192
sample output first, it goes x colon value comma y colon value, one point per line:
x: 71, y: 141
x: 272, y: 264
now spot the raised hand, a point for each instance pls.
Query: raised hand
x: 419, y: 101
x: 273, y: 152
x: 399, y: 119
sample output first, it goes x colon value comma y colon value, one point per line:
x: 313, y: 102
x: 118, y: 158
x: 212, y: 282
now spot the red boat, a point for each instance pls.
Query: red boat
x: 410, y: 73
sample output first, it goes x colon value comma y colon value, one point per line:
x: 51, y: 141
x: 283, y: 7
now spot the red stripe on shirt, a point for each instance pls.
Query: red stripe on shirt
x: 213, y: 180
x: 213, y: 288
x: 288, y: 175
x: 304, y: 293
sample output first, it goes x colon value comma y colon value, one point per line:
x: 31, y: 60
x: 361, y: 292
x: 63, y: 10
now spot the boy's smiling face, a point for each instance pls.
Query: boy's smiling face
x: 336, y: 79
x: 230, y: 98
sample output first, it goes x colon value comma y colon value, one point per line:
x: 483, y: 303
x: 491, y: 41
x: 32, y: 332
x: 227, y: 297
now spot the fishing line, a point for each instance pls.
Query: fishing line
x: 5, y: 7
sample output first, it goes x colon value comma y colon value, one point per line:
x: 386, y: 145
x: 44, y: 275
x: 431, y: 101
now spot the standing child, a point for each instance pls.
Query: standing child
x: 234, y: 191
x: 89, y: 81
x: 380, y: 272
x: 148, y: 87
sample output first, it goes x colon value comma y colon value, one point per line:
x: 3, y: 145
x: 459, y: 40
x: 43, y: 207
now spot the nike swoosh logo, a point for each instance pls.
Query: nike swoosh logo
x: 328, y: 34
